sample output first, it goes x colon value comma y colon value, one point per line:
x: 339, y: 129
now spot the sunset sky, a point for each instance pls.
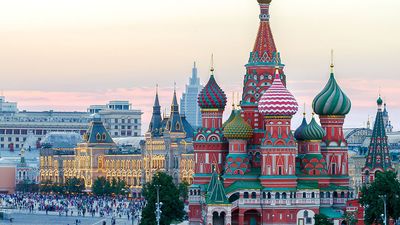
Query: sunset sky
x: 68, y: 54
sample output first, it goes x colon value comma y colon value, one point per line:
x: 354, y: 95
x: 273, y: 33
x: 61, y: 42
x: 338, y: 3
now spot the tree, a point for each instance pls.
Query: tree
x: 27, y: 186
x: 46, y: 186
x: 321, y: 219
x: 101, y: 187
x: 183, y: 190
x: 74, y: 185
x: 351, y: 218
x: 172, y: 208
x: 385, y: 186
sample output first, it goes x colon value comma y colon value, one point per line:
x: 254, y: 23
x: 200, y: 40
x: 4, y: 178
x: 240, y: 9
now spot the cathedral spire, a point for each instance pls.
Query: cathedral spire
x: 155, y: 123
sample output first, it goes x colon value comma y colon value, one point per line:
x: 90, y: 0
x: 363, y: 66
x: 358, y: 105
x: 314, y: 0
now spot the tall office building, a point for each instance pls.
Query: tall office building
x: 189, y: 106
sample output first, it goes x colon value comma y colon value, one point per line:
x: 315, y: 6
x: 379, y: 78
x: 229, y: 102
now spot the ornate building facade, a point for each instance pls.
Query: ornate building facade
x: 252, y: 169
x: 98, y: 155
x: 169, y: 145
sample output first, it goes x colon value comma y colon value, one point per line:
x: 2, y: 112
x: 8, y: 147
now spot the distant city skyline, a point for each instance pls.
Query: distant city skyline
x: 71, y: 54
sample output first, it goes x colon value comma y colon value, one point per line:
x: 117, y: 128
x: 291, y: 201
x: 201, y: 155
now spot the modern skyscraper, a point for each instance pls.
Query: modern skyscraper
x: 189, y: 106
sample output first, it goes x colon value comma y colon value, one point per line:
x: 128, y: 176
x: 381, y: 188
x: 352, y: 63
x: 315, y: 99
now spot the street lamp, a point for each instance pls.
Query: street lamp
x: 158, y: 205
x: 384, y: 216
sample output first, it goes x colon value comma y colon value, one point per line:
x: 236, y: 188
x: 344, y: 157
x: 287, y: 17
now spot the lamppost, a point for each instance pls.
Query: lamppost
x: 158, y: 205
x: 384, y: 216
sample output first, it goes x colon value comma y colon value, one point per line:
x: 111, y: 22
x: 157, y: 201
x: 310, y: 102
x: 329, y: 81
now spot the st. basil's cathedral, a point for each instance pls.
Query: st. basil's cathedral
x: 252, y: 169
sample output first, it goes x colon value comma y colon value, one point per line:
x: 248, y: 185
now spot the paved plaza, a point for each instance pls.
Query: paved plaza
x: 42, y: 219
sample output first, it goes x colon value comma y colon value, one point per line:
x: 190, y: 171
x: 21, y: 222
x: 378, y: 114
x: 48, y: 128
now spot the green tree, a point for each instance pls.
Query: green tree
x: 172, y: 208
x: 27, y: 186
x: 74, y: 185
x: 183, y: 190
x: 385, y: 186
x: 321, y: 219
x: 46, y: 186
x: 101, y: 187
x: 351, y: 218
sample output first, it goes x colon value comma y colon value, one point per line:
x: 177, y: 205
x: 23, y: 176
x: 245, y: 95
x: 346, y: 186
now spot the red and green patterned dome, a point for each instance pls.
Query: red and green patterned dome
x: 313, y: 131
x: 212, y: 96
x: 332, y: 100
x: 238, y: 128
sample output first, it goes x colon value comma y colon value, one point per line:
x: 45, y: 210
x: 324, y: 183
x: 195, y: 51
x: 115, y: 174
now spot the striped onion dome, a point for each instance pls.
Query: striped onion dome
x: 212, y: 96
x: 238, y: 128
x: 332, y: 100
x: 277, y: 100
x: 298, y: 134
x: 313, y: 131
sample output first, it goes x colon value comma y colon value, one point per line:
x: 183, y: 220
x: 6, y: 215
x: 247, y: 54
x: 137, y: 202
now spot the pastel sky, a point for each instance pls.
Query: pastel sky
x: 68, y: 54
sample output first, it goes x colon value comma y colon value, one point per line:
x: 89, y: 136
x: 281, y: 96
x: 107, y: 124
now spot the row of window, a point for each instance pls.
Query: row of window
x: 125, y: 127
x: 35, y: 132
x: 285, y: 195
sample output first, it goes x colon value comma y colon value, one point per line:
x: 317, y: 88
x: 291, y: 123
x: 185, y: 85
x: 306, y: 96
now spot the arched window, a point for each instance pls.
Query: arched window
x: 342, y: 194
x: 284, y: 195
x: 253, y: 195
x: 328, y: 195
x: 312, y: 195
x: 277, y: 195
x: 305, y: 214
x: 304, y: 195
x: 322, y: 195
x: 269, y: 195
x: 264, y: 195
x: 335, y: 194
x: 246, y: 195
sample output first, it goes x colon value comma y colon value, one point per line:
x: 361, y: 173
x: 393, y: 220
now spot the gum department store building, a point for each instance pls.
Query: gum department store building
x: 168, y: 148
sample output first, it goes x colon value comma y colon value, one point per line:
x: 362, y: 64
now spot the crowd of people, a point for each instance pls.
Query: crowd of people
x: 74, y: 205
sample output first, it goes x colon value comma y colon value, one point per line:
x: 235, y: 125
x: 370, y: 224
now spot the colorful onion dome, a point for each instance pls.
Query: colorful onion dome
x: 231, y: 117
x: 212, y: 96
x: 277, y: 100
x: 298, y: 134
x: 332, y: 100
x: 313, y: 131
x: 238, y: 128
x: 264, y: 1
x: 379, y: 101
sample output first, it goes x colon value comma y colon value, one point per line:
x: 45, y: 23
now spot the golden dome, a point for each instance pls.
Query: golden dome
x: 264, y: 1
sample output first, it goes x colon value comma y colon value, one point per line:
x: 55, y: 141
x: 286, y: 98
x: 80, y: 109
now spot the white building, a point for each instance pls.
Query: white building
x: 189, y: 106
x: 26, y: 128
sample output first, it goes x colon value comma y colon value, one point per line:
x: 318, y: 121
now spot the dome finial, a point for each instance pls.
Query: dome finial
x: 212, y: 64
x: 332, y: 63
x: 233, y: 101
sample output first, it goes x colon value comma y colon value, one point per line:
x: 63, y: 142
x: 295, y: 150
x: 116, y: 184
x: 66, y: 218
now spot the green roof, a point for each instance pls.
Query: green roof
x: 331, y: 212
x: 306, y: 184
x: 217, y: 195
x: 213, y: 180
x: 333, y: 187
x: 243, y: 185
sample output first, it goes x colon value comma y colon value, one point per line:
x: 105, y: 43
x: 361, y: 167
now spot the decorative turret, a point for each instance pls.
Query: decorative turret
x: 97, y: 133
x: 238, y: 128
x: 298, y: 134
x: 332, y: 101
x: 313, y: 131
x: 332, y: 105
x: 174, y: 123
x: 238, y: 132
x: 212, y: 96
x: 155, y: 123
x: 212, y: 101
x: 277, y: 100
x: 378, y: 158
